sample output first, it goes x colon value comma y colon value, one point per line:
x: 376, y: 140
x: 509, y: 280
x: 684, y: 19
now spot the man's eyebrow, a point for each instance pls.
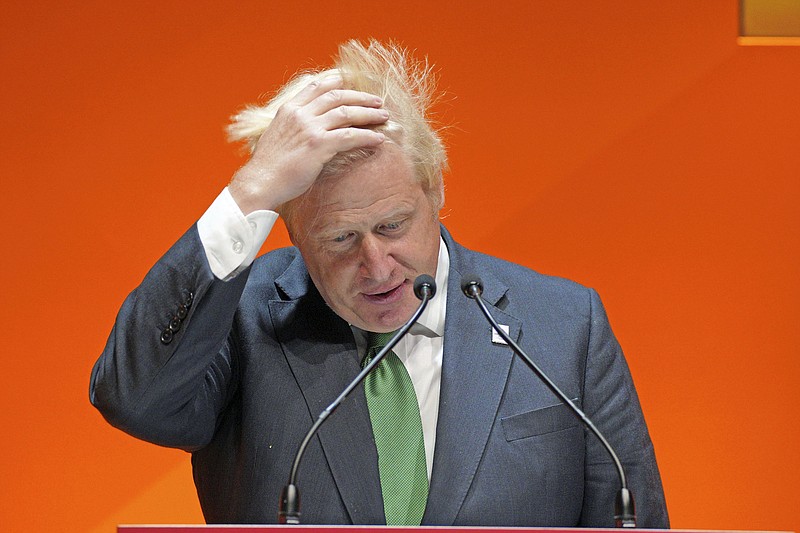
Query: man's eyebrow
x: 400, y: 212
x: 328, y: 232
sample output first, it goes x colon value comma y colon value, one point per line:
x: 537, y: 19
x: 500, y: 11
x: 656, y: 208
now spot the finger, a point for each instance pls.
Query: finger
x: 344, y: 139
x: 342, y: 97
x: 316, y: 88
x: 347, y: 116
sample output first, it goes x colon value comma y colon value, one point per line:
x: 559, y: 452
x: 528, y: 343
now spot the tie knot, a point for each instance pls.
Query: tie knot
x: 376, y: 341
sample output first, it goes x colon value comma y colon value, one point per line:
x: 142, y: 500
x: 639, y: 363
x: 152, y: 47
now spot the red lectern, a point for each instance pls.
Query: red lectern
x: 368, y: 529
x: 386, y: 529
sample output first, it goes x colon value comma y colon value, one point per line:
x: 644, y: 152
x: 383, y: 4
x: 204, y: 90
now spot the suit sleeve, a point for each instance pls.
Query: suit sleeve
x: 611, y: 402
x: 168, y: 368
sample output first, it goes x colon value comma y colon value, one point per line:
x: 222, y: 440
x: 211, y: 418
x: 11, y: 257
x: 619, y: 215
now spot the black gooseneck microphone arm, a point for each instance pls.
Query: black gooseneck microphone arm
x: 289, y: 510
x: 624, y: 512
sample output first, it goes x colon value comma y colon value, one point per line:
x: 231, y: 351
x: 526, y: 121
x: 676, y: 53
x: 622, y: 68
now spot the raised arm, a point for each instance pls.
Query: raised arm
x: 169, y: 366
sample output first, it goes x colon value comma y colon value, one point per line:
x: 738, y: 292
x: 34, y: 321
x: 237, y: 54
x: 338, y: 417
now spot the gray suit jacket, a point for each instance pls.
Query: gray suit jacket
x: 249, y: 364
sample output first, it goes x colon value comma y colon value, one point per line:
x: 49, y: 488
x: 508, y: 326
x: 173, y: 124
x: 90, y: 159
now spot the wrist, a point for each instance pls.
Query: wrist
x: 249, y: 189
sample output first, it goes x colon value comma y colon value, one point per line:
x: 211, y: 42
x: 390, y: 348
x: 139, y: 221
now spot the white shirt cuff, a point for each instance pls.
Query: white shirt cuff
x: 230, y: 239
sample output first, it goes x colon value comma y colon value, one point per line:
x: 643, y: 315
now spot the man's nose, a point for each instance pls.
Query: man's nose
x: 377, y: 262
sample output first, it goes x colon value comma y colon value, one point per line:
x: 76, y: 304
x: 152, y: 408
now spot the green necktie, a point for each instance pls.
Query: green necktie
x: 397, y: 427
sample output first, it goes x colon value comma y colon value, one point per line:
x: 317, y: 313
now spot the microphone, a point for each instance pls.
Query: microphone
x: 289, y: 509
x: 624, y: 508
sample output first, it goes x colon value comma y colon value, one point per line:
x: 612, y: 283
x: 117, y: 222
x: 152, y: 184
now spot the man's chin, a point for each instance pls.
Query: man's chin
x: 384, y: 321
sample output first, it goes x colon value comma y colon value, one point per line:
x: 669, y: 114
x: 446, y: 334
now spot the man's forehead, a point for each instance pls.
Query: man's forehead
x: 370, y: 187
x: 387, y: 169
x: 341, y: 210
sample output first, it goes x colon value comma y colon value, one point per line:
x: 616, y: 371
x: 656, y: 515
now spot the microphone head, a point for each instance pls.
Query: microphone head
x: 424, y: 284
x: 472, y: 286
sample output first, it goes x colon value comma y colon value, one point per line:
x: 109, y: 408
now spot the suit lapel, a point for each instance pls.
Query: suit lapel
x: 320, y: 349
x: 474, y: 374
x: 321, y: 352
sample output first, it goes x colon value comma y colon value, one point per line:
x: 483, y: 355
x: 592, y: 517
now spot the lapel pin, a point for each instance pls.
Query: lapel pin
x: 496, y: 338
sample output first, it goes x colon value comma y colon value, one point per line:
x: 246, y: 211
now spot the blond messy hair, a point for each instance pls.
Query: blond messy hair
x: 407, y: 87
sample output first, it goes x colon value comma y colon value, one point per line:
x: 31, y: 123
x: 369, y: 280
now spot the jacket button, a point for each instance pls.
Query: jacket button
x: 166, y: 336
x: 182, y: 311
x: 175, y: 324
x: 189, y: 299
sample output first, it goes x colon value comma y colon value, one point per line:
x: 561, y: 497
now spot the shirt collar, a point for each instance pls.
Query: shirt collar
x: 431, y: 323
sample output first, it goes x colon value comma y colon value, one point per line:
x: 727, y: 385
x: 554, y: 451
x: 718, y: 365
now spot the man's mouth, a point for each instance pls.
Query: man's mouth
x: 384, y: 297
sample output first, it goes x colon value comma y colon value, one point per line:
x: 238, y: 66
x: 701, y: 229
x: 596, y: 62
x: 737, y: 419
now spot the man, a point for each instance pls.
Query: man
x: 233, y: 359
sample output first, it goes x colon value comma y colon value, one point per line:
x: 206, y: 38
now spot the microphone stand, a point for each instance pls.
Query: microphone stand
x: 624, y: 509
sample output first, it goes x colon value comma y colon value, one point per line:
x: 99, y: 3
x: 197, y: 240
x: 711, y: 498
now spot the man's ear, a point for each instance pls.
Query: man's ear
x: 292, y: 238
x: 285, y: 214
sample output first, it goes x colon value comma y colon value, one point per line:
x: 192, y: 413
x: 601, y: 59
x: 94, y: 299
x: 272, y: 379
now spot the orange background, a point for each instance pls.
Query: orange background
x: 629, y: 145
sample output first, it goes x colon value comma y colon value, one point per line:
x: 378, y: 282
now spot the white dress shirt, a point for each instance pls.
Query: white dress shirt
x: 231, y: 241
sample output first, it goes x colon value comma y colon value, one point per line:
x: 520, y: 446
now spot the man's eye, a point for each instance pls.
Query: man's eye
x: 392, y: 226
x: 343, y: 237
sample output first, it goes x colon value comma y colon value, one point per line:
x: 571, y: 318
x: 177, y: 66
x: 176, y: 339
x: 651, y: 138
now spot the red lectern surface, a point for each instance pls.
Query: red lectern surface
x: 361, y: 529
x: 374, y: 529
x: 353, y: 529
x: 386, y: 529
